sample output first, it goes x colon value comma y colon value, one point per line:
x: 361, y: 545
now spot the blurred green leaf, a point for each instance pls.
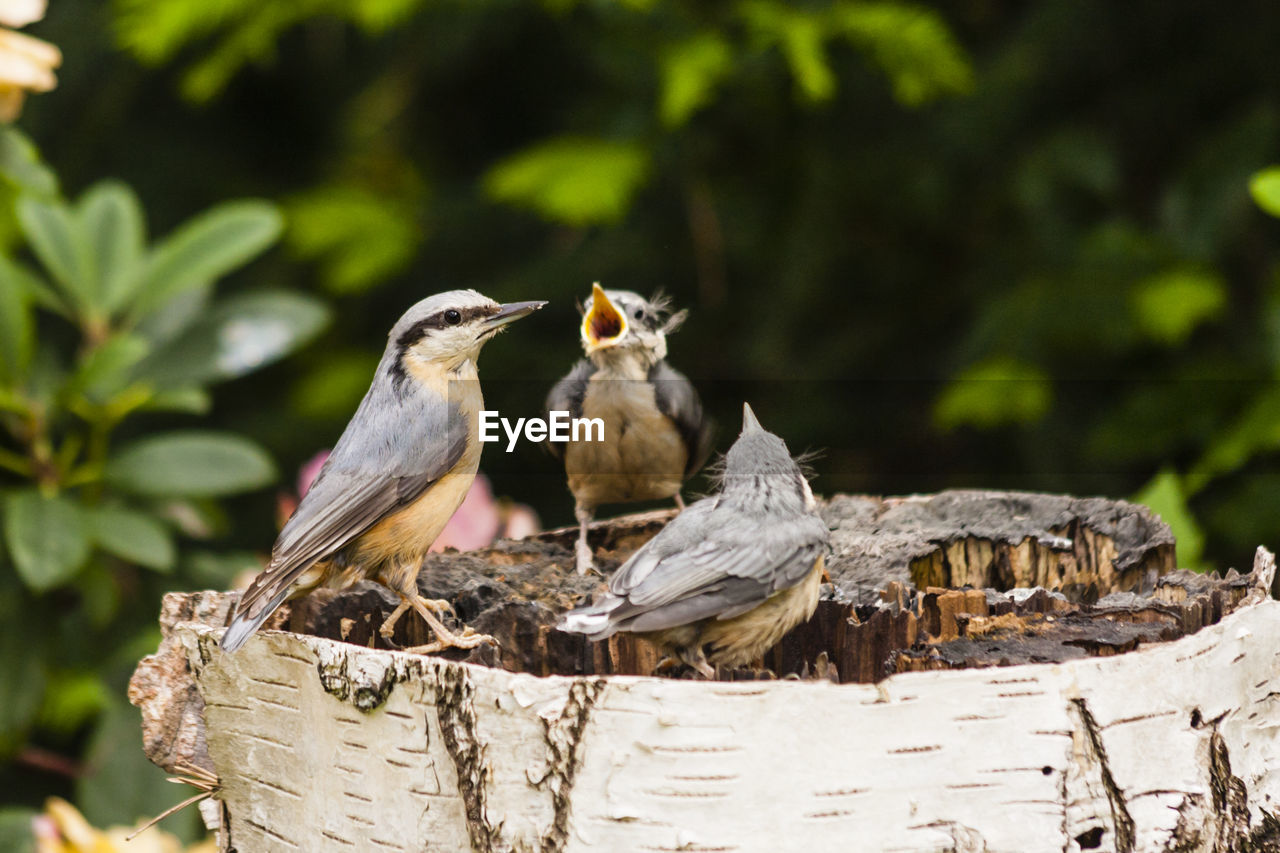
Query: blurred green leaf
x: 195, y: 463
x: 107, y: 367
x: 361, y: 237
x: 994, y: 393
x: 237, y: 337
x: 691, y: 71
x: 206, y: 248
x: 17, y: 325
x: 1265, y: 188
x: 1165, y: 495
x: 55, y: 238
x: 175, y: 316
x: 21, y: 166
x: 574, y: 180
x: 47, y: 538
x: 111, y: 219
x: 800, y: 33
x: 1170, y: 305
x: 71, y: 700
x: 191, y: 401
x: 1255, y: 431
x: 334, y: 384
x: 134, y: 536
x: 16, y: 830
x: 912, y: 45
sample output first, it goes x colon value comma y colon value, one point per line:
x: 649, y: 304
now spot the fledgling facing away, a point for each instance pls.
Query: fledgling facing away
x: 400, y: 469
x: 655, y: 435
x: 729, y: 576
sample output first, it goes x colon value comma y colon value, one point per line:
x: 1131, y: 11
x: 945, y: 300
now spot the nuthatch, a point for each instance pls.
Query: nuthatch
x: 655, y: 436
x: 400, y: 469
x: 729, y: 576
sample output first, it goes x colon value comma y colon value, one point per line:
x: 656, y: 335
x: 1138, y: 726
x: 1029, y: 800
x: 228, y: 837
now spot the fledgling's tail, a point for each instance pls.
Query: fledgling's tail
x: 594, y: 620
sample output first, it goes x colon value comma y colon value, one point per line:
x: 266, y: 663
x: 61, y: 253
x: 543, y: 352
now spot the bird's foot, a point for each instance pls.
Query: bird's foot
x: 679, y: 503
x: 468, y: 639
x: 445, y: 639
x: 389, y: 624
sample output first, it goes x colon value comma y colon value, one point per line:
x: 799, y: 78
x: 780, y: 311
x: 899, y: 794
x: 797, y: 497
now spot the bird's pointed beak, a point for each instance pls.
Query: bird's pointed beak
x: 604, y: 325
x: 509, y: 313
x: 749, y: 421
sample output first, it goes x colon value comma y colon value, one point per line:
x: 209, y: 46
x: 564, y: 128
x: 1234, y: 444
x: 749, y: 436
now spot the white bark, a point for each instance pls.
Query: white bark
x: 322, y: 745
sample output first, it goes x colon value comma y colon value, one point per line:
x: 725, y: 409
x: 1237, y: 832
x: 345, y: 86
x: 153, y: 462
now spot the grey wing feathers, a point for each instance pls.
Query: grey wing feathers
x: 566, y: 396
x: 678, y: 400
x: 715, y: 564
x: 376, y: 468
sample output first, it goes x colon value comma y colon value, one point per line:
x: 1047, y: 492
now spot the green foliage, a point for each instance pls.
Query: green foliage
x: 996, y: 392
x: 362, y: 237
x: 1170, y: 305
x: 912, y: 45
x: 1265, y: 188
x: 1167, y: 497
x: 100, y: 330
x: 573, y: 180
x: 691, y: 71
x: 195, y: 464
x: 15, y: 830
x: 47, y: 536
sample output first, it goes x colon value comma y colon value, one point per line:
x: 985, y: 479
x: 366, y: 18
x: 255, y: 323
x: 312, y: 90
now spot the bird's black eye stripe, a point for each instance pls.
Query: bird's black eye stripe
x: 441, y: 319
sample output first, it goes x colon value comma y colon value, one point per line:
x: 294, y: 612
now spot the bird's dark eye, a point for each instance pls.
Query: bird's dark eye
x: 638, y: 314
x: 452, y: 317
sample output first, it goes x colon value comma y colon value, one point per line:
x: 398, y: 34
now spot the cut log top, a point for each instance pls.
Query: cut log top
x: 303, y: 731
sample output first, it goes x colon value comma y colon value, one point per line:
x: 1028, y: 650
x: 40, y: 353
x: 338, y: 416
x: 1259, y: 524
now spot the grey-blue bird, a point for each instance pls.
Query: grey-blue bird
x: 400, y: 470
x: 729, y: 576
x: 655, y: 435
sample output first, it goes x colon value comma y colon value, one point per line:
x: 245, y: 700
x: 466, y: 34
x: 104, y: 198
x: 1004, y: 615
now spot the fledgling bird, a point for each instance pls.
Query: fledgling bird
x: 399, y: 471
x: 655, y: 434
x: 729, y: 576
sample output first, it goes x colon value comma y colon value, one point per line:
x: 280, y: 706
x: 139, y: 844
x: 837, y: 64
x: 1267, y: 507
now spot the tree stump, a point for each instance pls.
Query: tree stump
x: 986, y: 671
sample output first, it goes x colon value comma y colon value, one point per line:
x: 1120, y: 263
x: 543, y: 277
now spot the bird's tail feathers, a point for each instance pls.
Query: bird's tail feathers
x: 596, y: 620
x: 244, y: 624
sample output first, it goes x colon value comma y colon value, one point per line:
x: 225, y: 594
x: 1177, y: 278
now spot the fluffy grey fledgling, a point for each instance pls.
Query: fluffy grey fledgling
x: 655, y: 434
x: 729, y: 576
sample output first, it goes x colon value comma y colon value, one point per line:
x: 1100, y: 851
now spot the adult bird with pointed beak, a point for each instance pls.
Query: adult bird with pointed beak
x: 729, y: 576
x: 655, y: 435
x: 399, y: 471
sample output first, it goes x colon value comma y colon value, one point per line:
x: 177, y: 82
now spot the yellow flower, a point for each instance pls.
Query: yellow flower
x: 62, y: 829
x: 26, y: 63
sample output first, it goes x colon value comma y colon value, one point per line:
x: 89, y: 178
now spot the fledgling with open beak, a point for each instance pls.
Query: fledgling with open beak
x: 399, y: 471
x: 655, y: 434
x: 729, y: 576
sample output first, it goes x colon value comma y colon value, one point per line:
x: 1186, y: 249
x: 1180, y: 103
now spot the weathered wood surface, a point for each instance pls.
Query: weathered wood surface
x: 319, y: 742
x: 516, y: 590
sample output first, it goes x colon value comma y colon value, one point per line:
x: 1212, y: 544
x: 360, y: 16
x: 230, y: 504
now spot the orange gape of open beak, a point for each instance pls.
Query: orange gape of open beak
x: 604, y: 325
